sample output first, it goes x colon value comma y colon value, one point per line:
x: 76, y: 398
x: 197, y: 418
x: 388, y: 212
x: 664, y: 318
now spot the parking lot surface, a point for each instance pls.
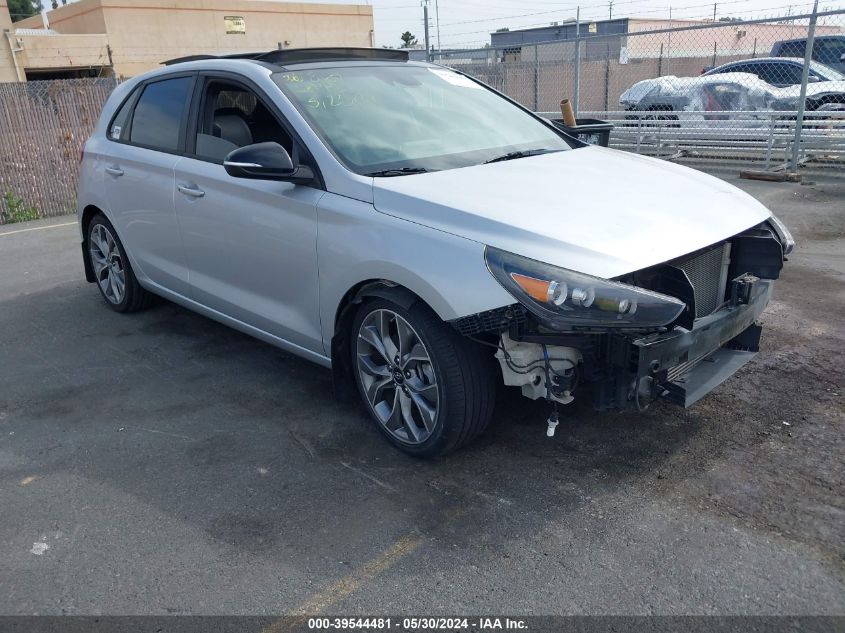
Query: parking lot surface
x: 161, y: 463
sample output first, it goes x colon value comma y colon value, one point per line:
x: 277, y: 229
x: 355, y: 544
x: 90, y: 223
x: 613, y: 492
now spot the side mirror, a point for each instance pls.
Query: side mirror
x: 266, y: 161
x: 813, y: 79
x: 842, y: 57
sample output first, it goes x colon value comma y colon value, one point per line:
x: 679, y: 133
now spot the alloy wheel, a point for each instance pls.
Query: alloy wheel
x: 108, y: 264
x: 397, y: 376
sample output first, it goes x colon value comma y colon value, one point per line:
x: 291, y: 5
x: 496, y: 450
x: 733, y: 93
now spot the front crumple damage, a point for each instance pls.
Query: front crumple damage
x: 726, y: 288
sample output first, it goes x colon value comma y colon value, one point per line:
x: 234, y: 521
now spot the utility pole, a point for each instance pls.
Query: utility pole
x: 437, y: 18
x: 610, y: 10
x: 714, y: 10
x: 425, y: 22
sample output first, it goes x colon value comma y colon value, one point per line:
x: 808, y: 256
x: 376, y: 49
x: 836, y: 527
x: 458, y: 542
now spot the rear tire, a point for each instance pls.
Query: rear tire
x: 429, y: 390
x: 113, y: 272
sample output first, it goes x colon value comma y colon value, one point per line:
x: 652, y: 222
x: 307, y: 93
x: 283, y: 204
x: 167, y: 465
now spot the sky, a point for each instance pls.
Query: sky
x: 467, y: 23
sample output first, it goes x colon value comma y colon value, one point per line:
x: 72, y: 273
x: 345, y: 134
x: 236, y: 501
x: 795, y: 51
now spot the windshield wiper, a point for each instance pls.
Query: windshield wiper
x: 398, y: 171
x: 520, y: 154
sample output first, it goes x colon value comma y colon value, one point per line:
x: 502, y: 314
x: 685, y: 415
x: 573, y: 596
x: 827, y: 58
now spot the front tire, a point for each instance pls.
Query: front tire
x: 429, y: 390
x: 112, y: 270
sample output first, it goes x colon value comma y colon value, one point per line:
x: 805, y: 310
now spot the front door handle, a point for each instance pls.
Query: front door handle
x: 191, y: 191
x: 114, y: 171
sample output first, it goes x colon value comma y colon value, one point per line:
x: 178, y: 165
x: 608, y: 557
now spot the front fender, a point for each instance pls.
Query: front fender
x: 358, y: 244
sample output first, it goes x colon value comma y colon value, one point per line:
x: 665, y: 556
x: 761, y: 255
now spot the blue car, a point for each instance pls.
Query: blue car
x: 827, y: 49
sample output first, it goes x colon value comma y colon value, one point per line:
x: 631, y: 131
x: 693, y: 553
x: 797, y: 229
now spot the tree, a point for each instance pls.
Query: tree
x: 20, y: 9
x: 409, y: 40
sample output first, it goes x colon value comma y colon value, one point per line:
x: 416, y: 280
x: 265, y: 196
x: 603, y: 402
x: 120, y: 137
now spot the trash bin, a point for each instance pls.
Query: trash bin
x: 590, y: 131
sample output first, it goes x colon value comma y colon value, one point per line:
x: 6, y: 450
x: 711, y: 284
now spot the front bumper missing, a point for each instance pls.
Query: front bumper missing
x: 703, y: 349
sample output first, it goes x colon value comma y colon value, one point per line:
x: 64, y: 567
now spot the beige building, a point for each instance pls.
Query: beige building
x: 126, y: 37
x: 7, y: 66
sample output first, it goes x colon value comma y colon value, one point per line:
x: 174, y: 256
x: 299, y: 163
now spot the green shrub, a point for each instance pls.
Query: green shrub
x: 14, y: 209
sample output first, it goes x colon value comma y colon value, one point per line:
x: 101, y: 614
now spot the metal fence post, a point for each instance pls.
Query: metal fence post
x: 536, y: 78
x: 669, y: 44
x: 577, y: 96
x: 802, y: 99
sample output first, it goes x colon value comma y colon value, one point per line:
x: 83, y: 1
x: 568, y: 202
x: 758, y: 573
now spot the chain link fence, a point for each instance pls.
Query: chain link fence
x: 723, y: 96
x: 42, y: 127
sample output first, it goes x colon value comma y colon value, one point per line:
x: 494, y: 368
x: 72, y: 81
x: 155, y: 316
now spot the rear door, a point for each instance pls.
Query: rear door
x: 251, y: 245
x: 147, y: 138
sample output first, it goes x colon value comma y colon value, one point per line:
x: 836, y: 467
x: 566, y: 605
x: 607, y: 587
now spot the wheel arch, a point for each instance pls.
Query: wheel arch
x: 342, y: 376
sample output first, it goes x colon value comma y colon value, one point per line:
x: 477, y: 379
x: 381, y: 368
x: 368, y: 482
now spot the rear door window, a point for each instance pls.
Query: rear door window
x: 781, y: 74
x: 157, y: 120
x: 738, y: 68
x: 792, y: 49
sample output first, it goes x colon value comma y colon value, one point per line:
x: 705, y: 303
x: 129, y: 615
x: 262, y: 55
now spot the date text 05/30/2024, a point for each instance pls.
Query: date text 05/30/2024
x: 418, y: 624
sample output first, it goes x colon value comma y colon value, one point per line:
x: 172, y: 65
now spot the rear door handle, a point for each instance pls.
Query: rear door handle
x: 114, y: 171
x: 191, y: 191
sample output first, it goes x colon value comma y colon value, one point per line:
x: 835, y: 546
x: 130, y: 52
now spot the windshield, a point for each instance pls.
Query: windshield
x: 412, y: 118
x: 829, y: 51
x: 827, y: 72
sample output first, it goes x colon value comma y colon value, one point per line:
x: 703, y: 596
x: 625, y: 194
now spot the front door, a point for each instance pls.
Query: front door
x: 251, y: 245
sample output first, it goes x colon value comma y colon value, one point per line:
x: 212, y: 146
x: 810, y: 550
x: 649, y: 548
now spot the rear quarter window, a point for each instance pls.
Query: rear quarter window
x: 791, y: 49
x: 117, y: 128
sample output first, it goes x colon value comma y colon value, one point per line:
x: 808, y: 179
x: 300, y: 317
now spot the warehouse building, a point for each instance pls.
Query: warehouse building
x: 125, y: 38
x: 637, y: 39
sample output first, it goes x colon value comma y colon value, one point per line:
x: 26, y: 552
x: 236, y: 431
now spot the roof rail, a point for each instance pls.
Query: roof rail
x: 305, y: 55
x: 194, y: 58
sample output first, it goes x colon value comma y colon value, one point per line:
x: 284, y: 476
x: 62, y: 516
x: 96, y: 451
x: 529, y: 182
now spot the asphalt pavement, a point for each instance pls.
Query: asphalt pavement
x: 161, y: 463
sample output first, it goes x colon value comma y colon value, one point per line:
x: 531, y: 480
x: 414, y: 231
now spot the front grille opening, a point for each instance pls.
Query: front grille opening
x: 708, y: 274
x: 699, y: 280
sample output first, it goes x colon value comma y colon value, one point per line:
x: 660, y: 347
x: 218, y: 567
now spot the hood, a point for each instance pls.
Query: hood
x: 593, y: 210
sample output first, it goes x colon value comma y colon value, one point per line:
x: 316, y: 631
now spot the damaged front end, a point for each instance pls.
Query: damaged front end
x: 673, y: 331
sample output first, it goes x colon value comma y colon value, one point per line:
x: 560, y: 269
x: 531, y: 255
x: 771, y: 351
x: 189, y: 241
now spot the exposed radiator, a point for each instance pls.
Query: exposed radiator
x: 708, y: 273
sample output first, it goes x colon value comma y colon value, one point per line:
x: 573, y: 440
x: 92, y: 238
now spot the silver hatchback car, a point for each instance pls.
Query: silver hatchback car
x: 422, y: 235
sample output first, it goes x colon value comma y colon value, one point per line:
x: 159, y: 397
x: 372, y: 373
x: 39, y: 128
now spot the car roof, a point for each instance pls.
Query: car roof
x: 795, y: 60
x: 285, y: 58
x: 817, y: 37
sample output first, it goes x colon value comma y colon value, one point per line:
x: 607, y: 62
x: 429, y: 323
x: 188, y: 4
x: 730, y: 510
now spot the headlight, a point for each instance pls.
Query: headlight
x: 563, y: 299
x: 784, y: 235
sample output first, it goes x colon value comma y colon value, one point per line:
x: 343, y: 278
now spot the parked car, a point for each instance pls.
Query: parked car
x: 827, y: 49
x: 711, y: 97
x: 779, y: 71
x: 422, y: 235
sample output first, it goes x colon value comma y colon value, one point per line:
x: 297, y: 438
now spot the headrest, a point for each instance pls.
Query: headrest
x: 232, y: 128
